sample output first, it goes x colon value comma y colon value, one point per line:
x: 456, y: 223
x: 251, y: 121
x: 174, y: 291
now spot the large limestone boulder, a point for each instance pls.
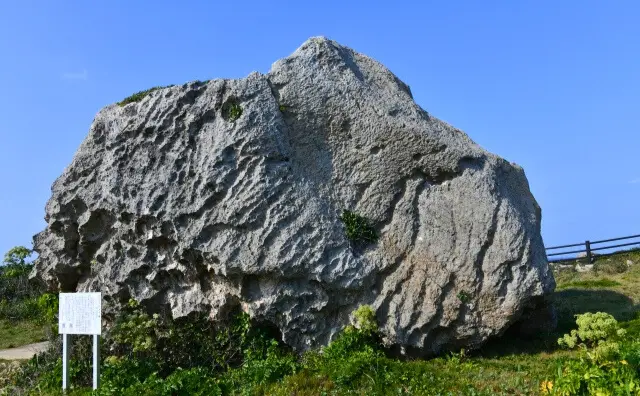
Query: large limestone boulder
x: 228, y: 195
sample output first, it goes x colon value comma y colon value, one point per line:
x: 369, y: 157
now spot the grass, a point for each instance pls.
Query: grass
x: 17, y: 333
x: 592, y: 284
x: 513, y: 375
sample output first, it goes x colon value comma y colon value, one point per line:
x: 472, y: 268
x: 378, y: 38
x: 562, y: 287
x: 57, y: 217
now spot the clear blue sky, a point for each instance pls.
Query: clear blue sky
x: 551, y: 85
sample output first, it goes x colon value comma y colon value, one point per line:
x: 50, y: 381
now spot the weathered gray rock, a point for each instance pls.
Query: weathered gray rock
x: 584, y: 268
x: 173, y: 202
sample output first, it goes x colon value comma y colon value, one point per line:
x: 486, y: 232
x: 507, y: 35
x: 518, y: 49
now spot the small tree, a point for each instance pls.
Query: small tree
x: 15, y: 260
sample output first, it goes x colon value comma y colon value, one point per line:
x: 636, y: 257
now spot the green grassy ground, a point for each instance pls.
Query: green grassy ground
x: 18, y: 333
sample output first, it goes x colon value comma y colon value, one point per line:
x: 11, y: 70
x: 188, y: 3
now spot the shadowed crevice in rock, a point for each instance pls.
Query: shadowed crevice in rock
x: 225, y: 195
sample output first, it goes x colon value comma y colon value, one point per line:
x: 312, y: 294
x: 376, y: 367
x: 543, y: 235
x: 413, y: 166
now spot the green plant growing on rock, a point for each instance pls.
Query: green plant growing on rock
x: 138, y: 96
x: 231, y: 110
x: 282, y: 108
x: 365, y: 319
x: 464, y: 297
x: 358, y: 229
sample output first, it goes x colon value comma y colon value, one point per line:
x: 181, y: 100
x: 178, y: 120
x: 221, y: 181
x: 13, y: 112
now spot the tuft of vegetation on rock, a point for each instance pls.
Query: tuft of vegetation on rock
x: 138, y: 96
x: 464, y: 297
x: 358, y: 229
x: 231, y: 110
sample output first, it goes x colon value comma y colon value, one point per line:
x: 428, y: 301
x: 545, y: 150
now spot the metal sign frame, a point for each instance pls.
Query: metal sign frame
x: 80, y: 314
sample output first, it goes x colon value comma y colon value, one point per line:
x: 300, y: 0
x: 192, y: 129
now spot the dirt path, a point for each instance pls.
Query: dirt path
x: 23, y: 352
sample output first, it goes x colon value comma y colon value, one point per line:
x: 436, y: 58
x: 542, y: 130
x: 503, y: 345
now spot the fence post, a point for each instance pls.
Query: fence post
x: 589, y: 256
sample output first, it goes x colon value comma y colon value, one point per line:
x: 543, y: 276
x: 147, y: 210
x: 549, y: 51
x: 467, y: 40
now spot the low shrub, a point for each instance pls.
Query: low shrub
x: 594, y: 329
x: 192, y: 382
x: 607, y: 365
x: 120, y: 375
x: 260, y: 369
x: 354, y: 356
x: 194, y: 341
x: 19, y: 309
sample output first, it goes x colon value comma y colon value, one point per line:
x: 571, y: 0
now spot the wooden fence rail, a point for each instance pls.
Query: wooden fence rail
x: 589, y: 249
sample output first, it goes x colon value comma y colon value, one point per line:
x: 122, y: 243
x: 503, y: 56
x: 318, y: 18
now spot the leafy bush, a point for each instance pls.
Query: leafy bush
x: 48, y: 308
x: 240, y: 358
x: 189, y: 342
x: 354, y: 354
x: 120, y: 374
x: 259, y: 370
x: 134, y: 332
x: 464, y: 297
x: 196, y: 382
x: 358, y: 229
x: 365, y: 320
x: 19, y: 309
x: 603, y: 368
x: 8, y: 372
x: 593, y: 329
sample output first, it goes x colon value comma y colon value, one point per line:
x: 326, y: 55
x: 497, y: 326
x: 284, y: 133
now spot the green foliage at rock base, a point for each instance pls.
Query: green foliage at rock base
x: 593, y: 330
x: 608, y: 363
x: 240, y: 357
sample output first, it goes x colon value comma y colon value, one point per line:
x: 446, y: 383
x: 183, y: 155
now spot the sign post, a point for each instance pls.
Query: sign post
x: 80, y: 313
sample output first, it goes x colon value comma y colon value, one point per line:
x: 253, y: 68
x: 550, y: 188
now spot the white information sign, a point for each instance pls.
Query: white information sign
x: 80, y: 313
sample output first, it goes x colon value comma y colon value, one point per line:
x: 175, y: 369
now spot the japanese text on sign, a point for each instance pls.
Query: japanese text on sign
x: 80, y: 313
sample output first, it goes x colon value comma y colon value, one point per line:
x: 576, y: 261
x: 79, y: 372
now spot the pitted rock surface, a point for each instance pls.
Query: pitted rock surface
x: 175, y: 203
